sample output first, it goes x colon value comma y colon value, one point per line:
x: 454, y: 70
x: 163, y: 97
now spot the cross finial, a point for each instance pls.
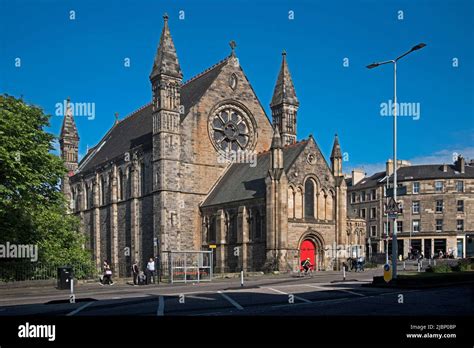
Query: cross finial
x: 116, y: 117
x: 283, y: 53
x: 165, y: 17
x: 233, y: 45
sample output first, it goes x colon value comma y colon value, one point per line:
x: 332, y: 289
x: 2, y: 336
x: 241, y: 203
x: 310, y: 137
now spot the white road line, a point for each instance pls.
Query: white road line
x: 161, y: 307
x: 77, y: 310
x: 236, y: 305
x: 316, y: 303
x: 284, y: 293
x: 336, y: 289
x: 202, y: 298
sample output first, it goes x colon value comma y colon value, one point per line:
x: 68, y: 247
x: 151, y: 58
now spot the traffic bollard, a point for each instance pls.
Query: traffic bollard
x: 241, y: 278
x: 344, y: 273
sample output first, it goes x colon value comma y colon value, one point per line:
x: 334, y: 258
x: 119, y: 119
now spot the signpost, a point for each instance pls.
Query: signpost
x: 387, y: 273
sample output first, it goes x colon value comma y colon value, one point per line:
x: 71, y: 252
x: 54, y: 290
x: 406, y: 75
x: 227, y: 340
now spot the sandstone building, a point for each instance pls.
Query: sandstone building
x: 437, y: 204
x: 156, y: 181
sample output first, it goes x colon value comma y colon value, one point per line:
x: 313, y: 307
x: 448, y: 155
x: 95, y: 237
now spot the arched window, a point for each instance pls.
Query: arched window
x: 90, y: 195
x: 103, y: 190
x: 258, y: 225
x: 72, y: 202
x: 129, y: 183
x: 212, y: 230
x: 121, y: 187
x: 142, y: 179
x: 309, y: 199
x: 86, y: 196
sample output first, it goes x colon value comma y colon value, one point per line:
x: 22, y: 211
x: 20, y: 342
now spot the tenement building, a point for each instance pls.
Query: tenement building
x: 436, y: 208
x: 202, y: 166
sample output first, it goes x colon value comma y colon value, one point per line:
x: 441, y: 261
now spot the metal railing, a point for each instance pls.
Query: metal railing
x: 22, y: 271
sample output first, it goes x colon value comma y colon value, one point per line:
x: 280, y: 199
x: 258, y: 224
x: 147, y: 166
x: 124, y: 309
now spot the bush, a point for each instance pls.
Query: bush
x: 443, y: 268
x: 462, y: 266
x: 370, y: 265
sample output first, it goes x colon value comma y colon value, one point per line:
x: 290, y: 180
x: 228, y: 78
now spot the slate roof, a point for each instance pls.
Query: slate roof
x: 136, y: 129
x: 418, y: 172
x: 242, y: 182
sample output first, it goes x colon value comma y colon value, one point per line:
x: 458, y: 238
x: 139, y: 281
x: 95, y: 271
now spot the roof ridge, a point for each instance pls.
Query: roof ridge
x: 301, y: 142
x: 135, y: 112
x: 206, y: 71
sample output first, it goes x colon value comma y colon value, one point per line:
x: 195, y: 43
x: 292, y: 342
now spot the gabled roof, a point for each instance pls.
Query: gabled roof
x: 242, y: 182
x: 136, y: 129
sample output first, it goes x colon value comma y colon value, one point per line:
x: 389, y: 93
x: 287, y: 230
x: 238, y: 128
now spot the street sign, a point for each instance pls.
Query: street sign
x: 387, y: 273
x: 212, y: 246
x: 392, y: 207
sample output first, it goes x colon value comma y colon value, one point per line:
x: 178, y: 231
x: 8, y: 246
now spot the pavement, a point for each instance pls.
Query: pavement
x: 324, y: 293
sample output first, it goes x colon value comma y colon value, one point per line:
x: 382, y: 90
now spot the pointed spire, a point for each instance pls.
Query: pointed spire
x: 336, y: 149
x: 284, y: 89
x: 276, y: 140
x: 68, y: 129
x: 166, y: 59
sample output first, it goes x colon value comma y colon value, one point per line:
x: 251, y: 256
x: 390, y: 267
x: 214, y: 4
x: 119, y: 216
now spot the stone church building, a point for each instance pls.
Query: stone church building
x: 156, y: 181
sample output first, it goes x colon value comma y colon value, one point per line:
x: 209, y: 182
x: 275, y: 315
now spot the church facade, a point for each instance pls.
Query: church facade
x: 175, y: 175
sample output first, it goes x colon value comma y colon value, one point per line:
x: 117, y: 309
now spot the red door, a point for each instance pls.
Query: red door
x: 308, y: 249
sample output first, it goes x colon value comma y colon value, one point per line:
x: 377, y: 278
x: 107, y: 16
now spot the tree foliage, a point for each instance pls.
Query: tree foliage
x: 32, y: 207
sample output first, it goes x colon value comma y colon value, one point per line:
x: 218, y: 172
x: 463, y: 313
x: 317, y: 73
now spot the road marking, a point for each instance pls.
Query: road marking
x: 284, y: 293
x: 202, y: 298
x: 239, y: 307
x: 315, y: 303
x: 161, y: 307
x: 77, y: 310
x: 336, y: 289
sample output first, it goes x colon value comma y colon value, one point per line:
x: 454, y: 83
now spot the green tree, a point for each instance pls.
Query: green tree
x: 32, y: 207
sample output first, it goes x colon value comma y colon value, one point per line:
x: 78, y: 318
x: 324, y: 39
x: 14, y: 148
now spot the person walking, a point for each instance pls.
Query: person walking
x: 150, y: 268
x: 135, y: 272
x: 107, y: 274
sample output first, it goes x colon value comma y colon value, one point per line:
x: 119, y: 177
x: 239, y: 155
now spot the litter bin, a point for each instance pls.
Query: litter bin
x: 64, y: 277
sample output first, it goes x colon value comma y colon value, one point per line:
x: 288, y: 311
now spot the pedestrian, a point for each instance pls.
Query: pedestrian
x: 135, y: 272
x: 150, y: 268
x: 107, y: 274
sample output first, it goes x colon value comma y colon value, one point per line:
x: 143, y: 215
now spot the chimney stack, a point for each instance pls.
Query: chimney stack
x: 357, y: 176
x: 460, y: 164
x: 389, y: 167
x: 445, y: 168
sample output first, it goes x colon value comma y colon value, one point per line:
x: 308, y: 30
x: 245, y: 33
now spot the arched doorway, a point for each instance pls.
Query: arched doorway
x: 308, y: 250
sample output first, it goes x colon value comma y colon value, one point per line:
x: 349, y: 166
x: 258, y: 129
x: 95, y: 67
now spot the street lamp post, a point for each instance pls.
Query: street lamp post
x: 371, y: 66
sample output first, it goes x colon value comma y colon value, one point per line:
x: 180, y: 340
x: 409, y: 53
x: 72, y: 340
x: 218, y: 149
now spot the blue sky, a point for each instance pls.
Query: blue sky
x: 84, y: 59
